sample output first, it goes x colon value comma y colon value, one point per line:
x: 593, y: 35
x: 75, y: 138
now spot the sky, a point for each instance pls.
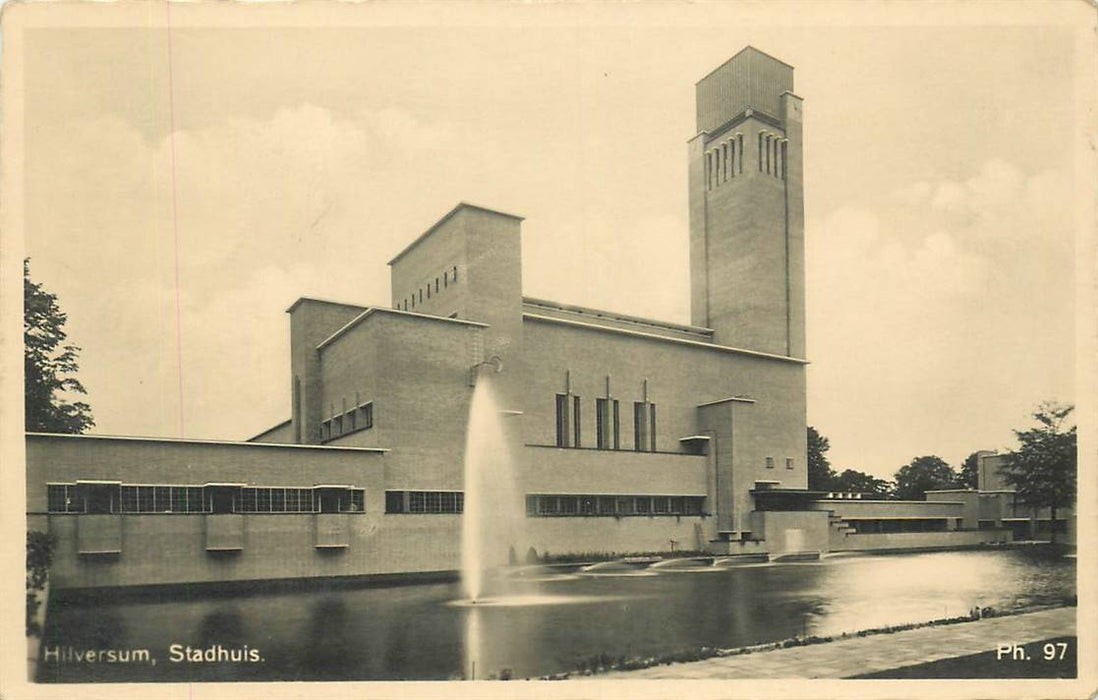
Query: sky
x: 257, y: 165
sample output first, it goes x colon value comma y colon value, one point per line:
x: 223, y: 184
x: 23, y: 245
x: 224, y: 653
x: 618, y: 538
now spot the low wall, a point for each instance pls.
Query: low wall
x: 638, y: 533
x: 918, y: 540
x: 791, y: 531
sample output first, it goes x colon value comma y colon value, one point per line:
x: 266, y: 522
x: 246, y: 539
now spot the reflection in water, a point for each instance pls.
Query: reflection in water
x: 416, y: 632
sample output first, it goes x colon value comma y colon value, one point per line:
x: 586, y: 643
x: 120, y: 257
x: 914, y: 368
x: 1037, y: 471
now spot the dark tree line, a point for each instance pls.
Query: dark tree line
x: 1042, y: 471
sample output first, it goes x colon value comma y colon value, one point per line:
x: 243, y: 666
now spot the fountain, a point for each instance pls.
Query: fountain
x: 493, y: 519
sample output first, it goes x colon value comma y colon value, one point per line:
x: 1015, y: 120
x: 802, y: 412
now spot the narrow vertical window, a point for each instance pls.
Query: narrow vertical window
x: 739, y: 151
x: 724, y: 160
x: 719, y: 163
x: 760, y: 151
x: 428, y: 290
x: 769, y: 462
x: 576, y: 420
x: 709, y: 170
x: 617, y: 426
x: 455, y: 274
x: 652, y: 425
x: 562, y: 420
x: 436, y: 285
x: 788, y: 462
x: 601, y: 423
x: 785, y: 156
x: 639, y: 427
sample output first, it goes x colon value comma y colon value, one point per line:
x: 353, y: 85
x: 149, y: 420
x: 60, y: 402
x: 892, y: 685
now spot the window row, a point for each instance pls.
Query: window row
x: 360, y: 417
x: 770, y: 462
x: 424, y: 502
x: 772, y: 154
x: 106, y: 498
x: 567, y: 505
x: 607, y: 423
x: 443, y: 281
x: 724, y: 161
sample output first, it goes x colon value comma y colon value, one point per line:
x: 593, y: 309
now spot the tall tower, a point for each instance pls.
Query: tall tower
x: 747, y: 207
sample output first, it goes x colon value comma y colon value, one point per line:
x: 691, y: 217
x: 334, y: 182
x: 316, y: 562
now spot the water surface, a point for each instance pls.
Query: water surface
x: 417, y: 632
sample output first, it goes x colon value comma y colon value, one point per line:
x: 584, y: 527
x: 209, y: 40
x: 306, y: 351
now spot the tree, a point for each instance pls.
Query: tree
x: 48, y: 365
x: 923, y: 474
x: 1043, y: 470
x: 860, y: 482
x: 970, y: 471
x: 819, y: 468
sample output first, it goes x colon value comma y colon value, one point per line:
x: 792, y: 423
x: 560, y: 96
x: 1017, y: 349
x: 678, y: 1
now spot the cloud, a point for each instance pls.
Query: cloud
x: 957, y: 292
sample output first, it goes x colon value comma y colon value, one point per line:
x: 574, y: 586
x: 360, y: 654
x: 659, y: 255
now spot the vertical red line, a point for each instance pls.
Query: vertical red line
x: 175, y: 221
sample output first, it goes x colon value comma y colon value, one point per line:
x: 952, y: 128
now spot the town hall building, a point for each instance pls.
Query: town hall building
x: 628, y: 434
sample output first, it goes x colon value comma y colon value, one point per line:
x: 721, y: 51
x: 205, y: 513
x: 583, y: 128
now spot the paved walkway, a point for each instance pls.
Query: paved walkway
x: 881, y: 652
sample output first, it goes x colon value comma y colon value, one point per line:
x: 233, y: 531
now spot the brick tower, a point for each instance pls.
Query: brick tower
x: 747, y: 207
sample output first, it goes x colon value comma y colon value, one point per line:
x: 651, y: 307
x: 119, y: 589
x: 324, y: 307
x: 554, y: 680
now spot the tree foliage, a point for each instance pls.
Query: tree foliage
x: 819, y: 467
x: 923, y: 474
x: 860, y: 482
x: 49, y: 365
x: 1043, y: 469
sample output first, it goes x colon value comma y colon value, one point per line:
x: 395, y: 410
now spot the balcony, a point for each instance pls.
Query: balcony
x: 224, y: 532
x: 332, y: 530
x: 99, y: 534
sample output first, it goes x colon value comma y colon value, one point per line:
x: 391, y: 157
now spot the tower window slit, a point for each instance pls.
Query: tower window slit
x: 739, y: 150
x: 760, y: 151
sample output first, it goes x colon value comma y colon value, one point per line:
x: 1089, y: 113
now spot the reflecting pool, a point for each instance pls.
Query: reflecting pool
x: 548, y: 623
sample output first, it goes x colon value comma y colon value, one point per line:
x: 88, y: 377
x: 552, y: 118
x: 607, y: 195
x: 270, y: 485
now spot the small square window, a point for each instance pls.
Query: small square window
x: 788, y: 462
x: 769, y: 462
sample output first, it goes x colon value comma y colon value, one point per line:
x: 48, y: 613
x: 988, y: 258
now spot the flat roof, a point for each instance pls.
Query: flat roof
x: 444, y: 219
x: 276, y: 426
x: 382, y: 309
x: 615, y: 316
x: 196, y: 441
x: 318, y: 300
x: 663, y: 338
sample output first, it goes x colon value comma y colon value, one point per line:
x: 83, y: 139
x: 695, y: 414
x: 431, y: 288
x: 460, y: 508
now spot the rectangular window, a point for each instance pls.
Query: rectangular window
x: 602, y: 423
x: 129, y: 499
x: 367, y: 411
x: 640, y: 428
x: 693, y: 505
x: 643, y: 505
x: 547, y: 505
x: 567, y: 505
x: 625, y: 505
x: 162, y: 499
x: 417, y: 502
x: 145, y: 503
x: 617, y: 426
x: 562, y: 420
x: 788, y: 462
x: 263, y: 500
x: 588, y: 505
x: 652, y: 426
x: 357, y: 501
x: 394, y: 501
x: 352, y: 421
x: 769, y: 462
x: 576, y: 420
x: 531, y: 505
x: 678, y: 505
x: 434, y: 502
x: 278, y: 500
x: 337, y: 426
x: 607, y: 505
x: 661, y: 504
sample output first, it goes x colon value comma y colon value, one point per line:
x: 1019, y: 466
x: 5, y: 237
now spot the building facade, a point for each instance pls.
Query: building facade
x: 627, y: 434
